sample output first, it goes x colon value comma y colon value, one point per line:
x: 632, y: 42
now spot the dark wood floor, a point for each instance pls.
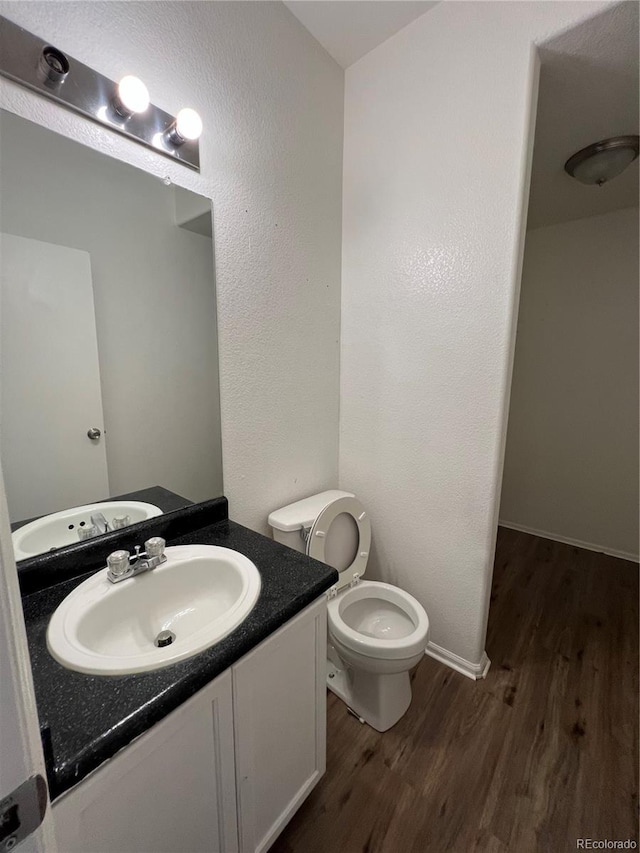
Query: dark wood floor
x: 540, y: 753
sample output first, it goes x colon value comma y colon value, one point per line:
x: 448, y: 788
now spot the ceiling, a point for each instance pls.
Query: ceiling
x: 347, y: 29
x: 588, y: 91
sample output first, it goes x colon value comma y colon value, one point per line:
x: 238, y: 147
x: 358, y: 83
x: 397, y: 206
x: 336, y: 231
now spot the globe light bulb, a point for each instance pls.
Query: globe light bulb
x: 188, y: 124
x: 132, y: 97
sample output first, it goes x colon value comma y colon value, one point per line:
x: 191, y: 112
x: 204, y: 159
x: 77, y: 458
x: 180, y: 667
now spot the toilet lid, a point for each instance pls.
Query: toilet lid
x: 317, y: 541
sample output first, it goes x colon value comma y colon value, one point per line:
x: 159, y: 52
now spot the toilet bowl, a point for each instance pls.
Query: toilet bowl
x: 376, y: 631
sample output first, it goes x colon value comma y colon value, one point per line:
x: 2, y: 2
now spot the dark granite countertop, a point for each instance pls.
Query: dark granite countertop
x: 86, y: 719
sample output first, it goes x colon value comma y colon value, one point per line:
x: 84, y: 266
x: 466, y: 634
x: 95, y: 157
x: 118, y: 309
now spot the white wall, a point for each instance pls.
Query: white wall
x: 155, y: 307
x: 571, y: 464
x: 272, y: 104
x: 436, y: 155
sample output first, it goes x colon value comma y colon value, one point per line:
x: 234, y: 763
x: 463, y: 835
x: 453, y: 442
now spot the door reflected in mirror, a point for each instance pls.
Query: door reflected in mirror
x: 108, y: 337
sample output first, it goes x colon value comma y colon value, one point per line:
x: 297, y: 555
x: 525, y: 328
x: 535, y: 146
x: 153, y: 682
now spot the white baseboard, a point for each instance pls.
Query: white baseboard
x: 566, y: 540
x: 471, y: 670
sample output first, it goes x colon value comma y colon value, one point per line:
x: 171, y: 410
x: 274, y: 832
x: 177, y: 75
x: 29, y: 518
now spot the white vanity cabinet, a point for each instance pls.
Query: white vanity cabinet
x: 170, y: 790
x: 280, y: 722
x: 226, y: 770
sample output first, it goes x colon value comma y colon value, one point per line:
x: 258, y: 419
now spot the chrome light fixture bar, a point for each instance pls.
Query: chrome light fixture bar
x: 28, y: 60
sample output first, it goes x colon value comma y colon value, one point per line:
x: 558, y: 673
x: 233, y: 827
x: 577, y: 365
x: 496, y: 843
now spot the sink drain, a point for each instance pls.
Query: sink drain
x: 164, y: 638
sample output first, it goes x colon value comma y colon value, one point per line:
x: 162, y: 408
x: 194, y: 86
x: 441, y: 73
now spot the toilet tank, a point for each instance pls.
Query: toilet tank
x: 290, y: 522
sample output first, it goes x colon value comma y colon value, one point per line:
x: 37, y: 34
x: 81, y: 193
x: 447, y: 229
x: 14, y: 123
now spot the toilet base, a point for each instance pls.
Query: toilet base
x: 379, y: 699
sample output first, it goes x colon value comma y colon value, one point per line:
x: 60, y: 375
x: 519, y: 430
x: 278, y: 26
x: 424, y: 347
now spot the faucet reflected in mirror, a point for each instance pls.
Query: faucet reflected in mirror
x: 108, y: 337
x: 100, y: 523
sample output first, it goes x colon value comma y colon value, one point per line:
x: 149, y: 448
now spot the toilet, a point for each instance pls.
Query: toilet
x: 376, y: 632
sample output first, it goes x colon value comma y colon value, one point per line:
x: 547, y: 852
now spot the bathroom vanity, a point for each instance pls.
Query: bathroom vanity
x: 213, y: 753
x: 223, y: 772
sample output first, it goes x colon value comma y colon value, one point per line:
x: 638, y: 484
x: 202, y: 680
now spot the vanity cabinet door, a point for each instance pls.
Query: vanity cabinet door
x: 170, y: 791
x: 279, y: 692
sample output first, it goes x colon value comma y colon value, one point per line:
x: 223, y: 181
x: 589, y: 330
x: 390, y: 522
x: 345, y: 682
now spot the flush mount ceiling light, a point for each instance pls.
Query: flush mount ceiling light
x: 124, y: 107
x: 602, y: 161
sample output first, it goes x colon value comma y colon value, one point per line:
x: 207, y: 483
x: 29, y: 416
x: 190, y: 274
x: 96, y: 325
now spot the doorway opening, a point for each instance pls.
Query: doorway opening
x: 571, y: 463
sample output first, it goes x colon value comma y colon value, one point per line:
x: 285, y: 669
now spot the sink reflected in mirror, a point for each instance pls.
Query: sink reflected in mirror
x: 162, y: 616
x: 77, y: 524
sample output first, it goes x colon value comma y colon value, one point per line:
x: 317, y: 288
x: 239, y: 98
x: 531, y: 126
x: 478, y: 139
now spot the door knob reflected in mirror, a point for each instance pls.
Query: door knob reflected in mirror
x: 94, y: 433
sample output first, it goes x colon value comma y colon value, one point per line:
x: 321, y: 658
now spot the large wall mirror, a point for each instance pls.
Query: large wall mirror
x: 108, y: 338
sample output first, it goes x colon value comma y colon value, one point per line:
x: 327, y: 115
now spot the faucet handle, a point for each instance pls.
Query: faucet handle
x: 87, y: 532
x: 155, y: 546
x: 118, y: 563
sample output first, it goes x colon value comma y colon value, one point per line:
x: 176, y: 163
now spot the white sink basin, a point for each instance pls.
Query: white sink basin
x: 61, y: 528
x: 201, y: 594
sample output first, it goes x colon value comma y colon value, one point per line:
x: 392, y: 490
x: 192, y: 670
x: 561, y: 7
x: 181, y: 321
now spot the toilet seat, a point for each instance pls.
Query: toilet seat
x: 317, y: 540
x: 386, y: 600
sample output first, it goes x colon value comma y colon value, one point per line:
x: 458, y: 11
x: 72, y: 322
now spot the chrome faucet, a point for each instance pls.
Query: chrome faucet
x: 99, y: 525
x: 121, y: 565
x: 98, y: 520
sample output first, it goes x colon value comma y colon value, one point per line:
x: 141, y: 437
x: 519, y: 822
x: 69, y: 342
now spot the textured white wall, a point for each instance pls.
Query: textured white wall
x: 272, y: 104
x: 436, y: 150
x: 571, y: 464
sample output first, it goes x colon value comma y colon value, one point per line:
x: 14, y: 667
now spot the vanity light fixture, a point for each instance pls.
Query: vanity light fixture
x: 131, y: 96
x: 125, y: 108
x: 602, y: 161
